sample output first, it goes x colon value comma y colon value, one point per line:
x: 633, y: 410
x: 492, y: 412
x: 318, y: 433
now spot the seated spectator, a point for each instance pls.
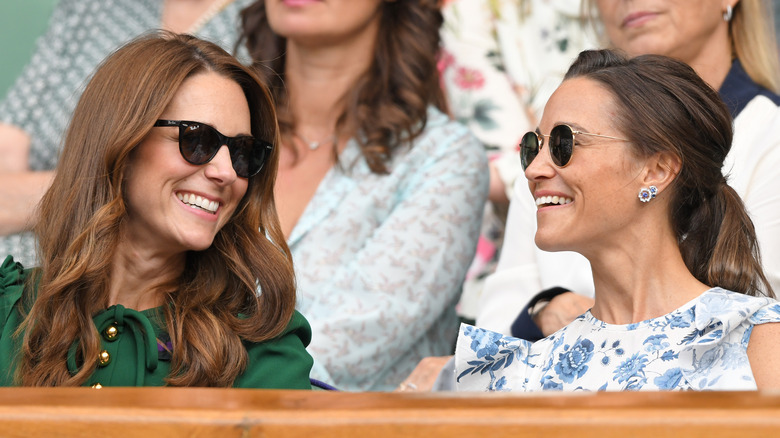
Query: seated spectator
x: 380, y: 194
x: 37, y: 108
x: 155, y: 233
x: 734, y: 51
x: 625, y: 168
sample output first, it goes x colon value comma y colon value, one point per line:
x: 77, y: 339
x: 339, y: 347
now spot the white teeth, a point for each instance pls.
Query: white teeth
x: 559, y: 200
x: 198, y: 201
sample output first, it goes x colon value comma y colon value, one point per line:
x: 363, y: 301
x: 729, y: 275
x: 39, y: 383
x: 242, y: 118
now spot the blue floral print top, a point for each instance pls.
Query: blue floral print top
x: 702, y: 346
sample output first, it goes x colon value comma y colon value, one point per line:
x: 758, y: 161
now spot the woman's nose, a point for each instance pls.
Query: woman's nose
x: 220, y: 168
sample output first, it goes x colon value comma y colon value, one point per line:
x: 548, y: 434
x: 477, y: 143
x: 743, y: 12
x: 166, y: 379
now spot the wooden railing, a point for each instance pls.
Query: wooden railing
x: 175, y: 412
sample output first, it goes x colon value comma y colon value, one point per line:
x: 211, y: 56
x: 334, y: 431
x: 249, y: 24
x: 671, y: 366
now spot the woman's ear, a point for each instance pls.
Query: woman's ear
x: 661, y: 169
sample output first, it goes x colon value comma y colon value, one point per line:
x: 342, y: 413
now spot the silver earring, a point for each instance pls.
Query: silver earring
x: 647, y: 193
x: 728, y: 14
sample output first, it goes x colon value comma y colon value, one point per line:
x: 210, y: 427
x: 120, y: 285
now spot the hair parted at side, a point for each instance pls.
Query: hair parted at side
x: 389, y: 104
x: 752, y: 35
x: 664, y: 106
x: 213, y: 306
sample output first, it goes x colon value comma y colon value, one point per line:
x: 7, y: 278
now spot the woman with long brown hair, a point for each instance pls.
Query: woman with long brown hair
x: 155, y: 234
x: 635, y: 184
x: 380, y: 195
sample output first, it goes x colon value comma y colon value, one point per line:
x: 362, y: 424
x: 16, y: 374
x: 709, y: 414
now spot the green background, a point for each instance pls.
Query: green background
x: 21, y: 22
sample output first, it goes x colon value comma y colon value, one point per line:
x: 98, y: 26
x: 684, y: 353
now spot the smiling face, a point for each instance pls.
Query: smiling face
x: 324, y: 22
x: 683, y: 29
x: 594, y: 198
x: 174, y: 206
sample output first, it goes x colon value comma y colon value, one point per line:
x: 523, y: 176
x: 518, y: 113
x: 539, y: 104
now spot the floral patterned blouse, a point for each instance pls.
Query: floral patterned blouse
x: 380, y: 259
x: 701, y: 346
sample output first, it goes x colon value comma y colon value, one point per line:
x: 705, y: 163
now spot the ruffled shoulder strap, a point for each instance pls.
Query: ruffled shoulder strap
x: 716, y: 353
x: 727, y: 309
x: 13, y: 277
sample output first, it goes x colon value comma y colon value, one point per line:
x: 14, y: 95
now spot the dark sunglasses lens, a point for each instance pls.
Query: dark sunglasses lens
x: 246, y: 155
x: 198, y: 143
x: 561, y: 144
x: 529, y: 148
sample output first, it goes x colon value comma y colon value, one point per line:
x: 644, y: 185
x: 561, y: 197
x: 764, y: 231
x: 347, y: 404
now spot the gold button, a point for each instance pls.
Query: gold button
x: 97, y: 386
x: 111, y: 332
x: 103, y: 358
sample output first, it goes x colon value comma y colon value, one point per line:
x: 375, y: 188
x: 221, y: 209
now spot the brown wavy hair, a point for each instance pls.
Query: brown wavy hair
x: 663, y: 105
x: 213, y: 305
x: 389, y: 103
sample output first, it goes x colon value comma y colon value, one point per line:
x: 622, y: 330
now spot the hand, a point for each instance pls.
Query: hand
x: 561, y: 311
x: 424, y: 375
x: 14, y: 148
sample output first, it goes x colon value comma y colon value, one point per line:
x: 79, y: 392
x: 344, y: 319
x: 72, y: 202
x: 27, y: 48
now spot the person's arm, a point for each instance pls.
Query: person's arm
x: 281, y: 363
x: 19, y: 195
x: 14, y: 148
x: 408, y: 274
x: 558, y: 312
x: 764, y: 355
x: 33, y: 116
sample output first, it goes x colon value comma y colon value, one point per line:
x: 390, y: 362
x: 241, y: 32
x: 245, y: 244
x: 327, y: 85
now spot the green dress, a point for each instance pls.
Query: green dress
x: 132, y: 356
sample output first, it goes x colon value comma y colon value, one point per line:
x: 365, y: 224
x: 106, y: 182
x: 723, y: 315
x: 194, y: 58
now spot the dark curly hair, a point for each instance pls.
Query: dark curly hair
x: 389, y: 103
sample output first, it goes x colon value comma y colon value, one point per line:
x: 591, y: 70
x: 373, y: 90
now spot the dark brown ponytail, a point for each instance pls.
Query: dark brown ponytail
x: 665, y: 106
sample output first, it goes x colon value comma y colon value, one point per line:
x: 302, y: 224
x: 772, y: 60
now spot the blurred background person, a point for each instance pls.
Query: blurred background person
x: 158, y: 228
x: 37, y: 108
x: 380, y: 194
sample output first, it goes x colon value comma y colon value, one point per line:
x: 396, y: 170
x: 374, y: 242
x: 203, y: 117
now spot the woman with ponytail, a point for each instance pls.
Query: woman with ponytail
x: 626, y: 169
x: 730, y: 44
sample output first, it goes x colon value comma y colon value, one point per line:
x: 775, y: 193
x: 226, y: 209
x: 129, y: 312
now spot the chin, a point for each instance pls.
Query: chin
x: 550, y: 243
x: 198, y: 244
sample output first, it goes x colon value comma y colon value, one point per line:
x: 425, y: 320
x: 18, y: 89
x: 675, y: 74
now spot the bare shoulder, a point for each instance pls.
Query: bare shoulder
x: 764, y: 354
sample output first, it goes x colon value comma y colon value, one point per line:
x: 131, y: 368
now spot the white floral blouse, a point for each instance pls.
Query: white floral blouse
x: 701, y: 346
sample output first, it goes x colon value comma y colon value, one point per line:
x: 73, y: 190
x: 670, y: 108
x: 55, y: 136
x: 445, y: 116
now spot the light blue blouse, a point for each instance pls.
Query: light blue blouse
x: 380, y: 259
x: 702, y: 346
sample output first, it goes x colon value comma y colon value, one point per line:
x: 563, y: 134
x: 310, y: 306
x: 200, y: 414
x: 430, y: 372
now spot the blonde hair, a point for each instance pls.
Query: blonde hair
x: 752, y: 35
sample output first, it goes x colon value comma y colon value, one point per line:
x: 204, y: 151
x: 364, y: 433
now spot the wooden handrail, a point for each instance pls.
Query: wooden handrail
x: 202, y: 412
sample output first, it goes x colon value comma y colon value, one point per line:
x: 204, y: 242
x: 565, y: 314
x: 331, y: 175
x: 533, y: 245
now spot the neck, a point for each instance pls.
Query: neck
x: 319, y: 78
x: 714, y: 61
x: 640, y: 277
x: 137, y: 274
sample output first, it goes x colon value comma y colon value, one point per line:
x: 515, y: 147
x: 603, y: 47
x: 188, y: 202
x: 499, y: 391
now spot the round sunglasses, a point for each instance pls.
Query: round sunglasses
x: 561, y: 145
x: 199, y: 143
